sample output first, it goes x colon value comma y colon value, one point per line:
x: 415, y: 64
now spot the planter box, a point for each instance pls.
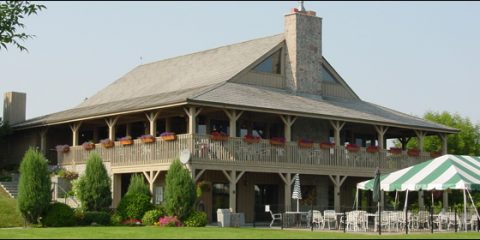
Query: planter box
x: 395, y: 151
x: 413, y: 152
x: 88, y: 147
x: 251, y: 140
x: 126, y: 142
x: 327, y: 145
x: 372, y: 149
x: 435, y: 154
x: 148, y: 140
x: 169, y: 138
x: 353, y: 149
x: 109, y: 144
x: 305, y: 144
x: 218, y: 138
x: 276, y: 143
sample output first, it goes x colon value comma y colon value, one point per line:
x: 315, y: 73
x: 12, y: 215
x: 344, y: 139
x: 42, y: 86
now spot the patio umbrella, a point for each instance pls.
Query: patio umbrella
x: 297, y: 193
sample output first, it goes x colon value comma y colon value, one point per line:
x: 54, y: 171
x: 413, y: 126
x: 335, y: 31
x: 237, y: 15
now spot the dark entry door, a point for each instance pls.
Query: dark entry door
x: 266, y: 195
x: 220, y: 198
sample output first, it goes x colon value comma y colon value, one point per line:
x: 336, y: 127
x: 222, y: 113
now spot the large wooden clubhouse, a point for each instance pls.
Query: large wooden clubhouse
x: 282, y: 109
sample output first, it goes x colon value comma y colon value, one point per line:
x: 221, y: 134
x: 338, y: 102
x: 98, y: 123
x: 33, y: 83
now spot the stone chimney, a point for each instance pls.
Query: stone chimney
x: 14, y: 107
x: 303, y: 36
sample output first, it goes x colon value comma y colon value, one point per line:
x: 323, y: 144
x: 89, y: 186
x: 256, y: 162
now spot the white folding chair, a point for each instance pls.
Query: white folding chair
x: 275, y: 216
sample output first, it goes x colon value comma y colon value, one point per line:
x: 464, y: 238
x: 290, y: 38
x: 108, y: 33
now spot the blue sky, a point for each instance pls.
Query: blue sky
x: 409, y: 56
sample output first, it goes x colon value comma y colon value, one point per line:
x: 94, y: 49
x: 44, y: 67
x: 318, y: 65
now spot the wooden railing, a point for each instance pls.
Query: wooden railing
x: 237, y: 151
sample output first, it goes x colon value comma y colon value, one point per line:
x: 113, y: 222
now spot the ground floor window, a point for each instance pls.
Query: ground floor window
x: 158, y: 191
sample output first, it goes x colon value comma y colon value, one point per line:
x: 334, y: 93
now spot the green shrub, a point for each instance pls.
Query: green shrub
x: 196, y: 219
x: 94, y: 187
x: 116, y: 219
x: 100, y: 218
x: 138, y: 185
x: 34, y: 186
x: 151, y: 217
x: 134, y: 206
x: 59, y: 215
x: 180, y: 192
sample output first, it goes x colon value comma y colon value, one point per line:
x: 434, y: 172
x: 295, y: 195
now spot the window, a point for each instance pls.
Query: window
x: 271, y: 65
x: 158, y: 194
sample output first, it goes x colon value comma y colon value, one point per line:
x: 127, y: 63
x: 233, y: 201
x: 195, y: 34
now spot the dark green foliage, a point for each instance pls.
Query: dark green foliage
x: 138, y: 185
x: 99, y: 218
x: 11, y: 13
x: 196, y: 219
x: 180, y: 192
x: 116, y: 219
x: 94, y: 187
x: 59, y: 215
x: 134, y: 206
x: 34, y: 186
x: 152, y: 216
x: 5, y: 129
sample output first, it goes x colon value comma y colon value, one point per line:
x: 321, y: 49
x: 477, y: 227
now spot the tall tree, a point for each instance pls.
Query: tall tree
x: 11, y: 13
x: 94, y: 187
x: 138, y: 185
x: 34, y: 186
x: 180, y: 191
x: 466, y: 142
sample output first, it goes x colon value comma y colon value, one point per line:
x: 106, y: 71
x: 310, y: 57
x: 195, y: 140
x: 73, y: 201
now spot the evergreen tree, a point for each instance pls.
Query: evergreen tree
x: 138, y: 185
x: 34, y: 187
x: 94, y: 186
x: 180, y: 191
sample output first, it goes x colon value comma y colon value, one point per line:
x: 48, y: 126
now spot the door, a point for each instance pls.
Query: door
x: 266, y: 195
x: 220, y: 198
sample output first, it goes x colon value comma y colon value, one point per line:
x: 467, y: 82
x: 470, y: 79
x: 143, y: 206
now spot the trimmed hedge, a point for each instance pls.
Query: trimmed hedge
x: 196, y: 219
x: 94, y: 217
x: 59, y: 215
x: 134, y: 206
x: 152, y: 216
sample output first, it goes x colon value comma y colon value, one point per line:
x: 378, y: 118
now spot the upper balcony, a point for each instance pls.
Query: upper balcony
x: 235, y: 153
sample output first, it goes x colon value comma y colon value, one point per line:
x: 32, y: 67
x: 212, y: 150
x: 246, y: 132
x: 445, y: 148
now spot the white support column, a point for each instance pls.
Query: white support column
x: 337, y: 183
x: 233, y: 179
x: 151, y: 176
x: 116, y: 189
x: 233, y: 116
x: 75, y: 127
x: 420, y: 136
x: 168, y: 124
x: 445, y: 200
x: 111, y: 122
x: 421, y: 200
x: 128, y: 129
x: 288, y: 181
x: 444, y: 139
x: 337, y: 127
x: 152, y: 119
x: 288, y: 121
x: 43, y: 140
x: 381, y: 130
x: 192, y: 113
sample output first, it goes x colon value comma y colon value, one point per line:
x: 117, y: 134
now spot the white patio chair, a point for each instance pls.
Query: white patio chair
x: 275, y: 216
x: 329, y: 216
x: 318, y: 219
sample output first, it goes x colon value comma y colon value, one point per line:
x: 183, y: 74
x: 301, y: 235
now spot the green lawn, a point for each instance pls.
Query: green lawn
x: 207, y: 232
x: 9, y: 215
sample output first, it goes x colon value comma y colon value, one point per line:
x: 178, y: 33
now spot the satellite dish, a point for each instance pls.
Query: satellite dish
x: 184, y: 156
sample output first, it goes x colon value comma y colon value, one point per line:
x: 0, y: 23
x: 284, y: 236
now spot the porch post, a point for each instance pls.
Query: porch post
x: 445, y: 200
x: 233, y: 179
x: 128, y: 129
x: 420, y: 137
x: 43, y: 141
x: 151, y: 176
x: 152, y: 119
x: 404, y: 141
x: 421, y: 200
x: 337, y: 183
x: 287, y: 179
x: 116, y: 189
x: 111, y: 122
x: 444, y: 139
x: 337, y: 127
x: 288, y: 121
x: 233, y: 116
x: 192, y: 113
x: 75, y: 127
x: 381, y: 130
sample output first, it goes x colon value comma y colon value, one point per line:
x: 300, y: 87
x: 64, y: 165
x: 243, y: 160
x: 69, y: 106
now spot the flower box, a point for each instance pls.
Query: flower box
x: 413, y: 152
x: 353, y: 148
x: 327, y: 145
x: 251, y: 139
x: 218, y: 136
x: 435, y: 154
x: 88, y: 146
x: 147, y: 138
x: 304, y: 143
x: 168, y: 136
x: 372, y: 149
x: 63, y: 148
x: 277, y: 141
x: 125, y: 141
x: 394, y: 150
x: 107, y: 143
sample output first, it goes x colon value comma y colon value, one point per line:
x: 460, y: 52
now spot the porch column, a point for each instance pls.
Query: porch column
x: 128, y: 129
x: 444, y: 139
x: 404, y: 141
x: 43, y: 141
x: 233, y: 179
x: 288, y: 121
x: 421, y: 200
x: 152, y: 119
x: 192, y: 113
x: 75, y: 127
x: 233, y: 116
x: 445, y: 200
x: 111, y: 122
x: 287, y: 179
x: 95, y: 134
x: 117, y: 189
x: 337, y: 127
x: 337, y: 183
x: 420, y: 137
x: 151, y: 176
x: 168, y: 124
x: 381, y: 130
x: 198, y: 175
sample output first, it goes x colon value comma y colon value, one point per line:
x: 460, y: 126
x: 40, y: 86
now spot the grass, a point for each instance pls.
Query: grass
x: 9, y: 215
x: 207, y: 232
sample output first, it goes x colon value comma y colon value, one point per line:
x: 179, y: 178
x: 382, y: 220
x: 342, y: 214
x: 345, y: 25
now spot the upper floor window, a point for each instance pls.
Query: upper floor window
x: 272, y: 64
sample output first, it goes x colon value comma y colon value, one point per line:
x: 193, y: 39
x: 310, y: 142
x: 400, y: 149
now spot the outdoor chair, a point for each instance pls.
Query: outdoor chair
x: 317, y: 218
x: 328, y: 217
x: 474, y: 222
x: 275, y: 216
x: 422, y: 220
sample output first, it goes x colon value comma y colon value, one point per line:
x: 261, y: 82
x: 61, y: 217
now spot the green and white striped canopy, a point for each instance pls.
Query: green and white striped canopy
x: 445, y: 172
